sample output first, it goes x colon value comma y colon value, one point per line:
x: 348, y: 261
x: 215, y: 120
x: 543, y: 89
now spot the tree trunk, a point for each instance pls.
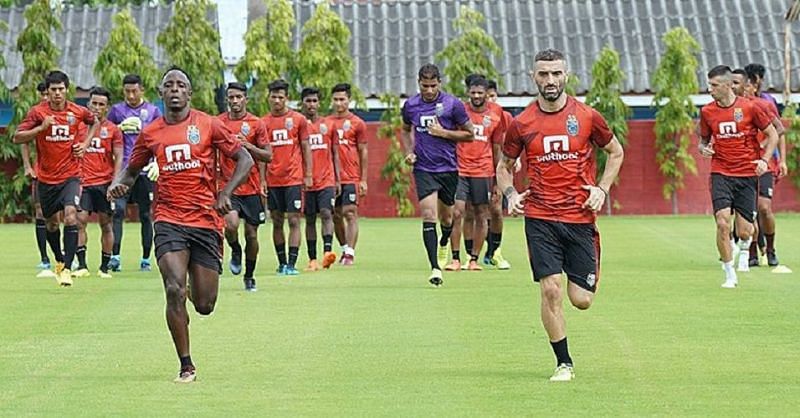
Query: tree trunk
x: 787, y: 63
x: 675, y: 203
x: 609, y: 203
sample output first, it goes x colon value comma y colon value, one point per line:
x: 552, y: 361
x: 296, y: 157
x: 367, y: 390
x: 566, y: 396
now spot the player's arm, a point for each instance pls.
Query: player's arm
x: 407, y: 137
x: 31, y: 126
x: 336, y: 166
x: 26, y: 161
x: 505, y: 182
x: 244, y: 163
x: 614, y: 162
x: 464, y: 133
x: 123, y: 181
x: 784, y: 168
x: 259, y: 154
x: 362, y: 159
x: 771, y: 142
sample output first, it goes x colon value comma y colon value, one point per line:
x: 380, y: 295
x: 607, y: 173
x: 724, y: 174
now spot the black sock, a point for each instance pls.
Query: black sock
x: 249, y: 268
x: 446, y: 230
x: 561, y: 351
x: 81, y: 254
x: 429, y: 239
x: 457, y: 255
x: 770, y: 238
x: 311, y: 244
x: 54, y: 239
x: 104, y: 262
x: 490, y: 245
x: 762, y: 240
x: 147, y: 235
x: 116, y: 226
x: 496, y: 240
x: 293, y: 253
x: 70, y: 244
x: 468, y: 246
x: 186, y: 361
x: 280, y: 251
x: 41, y: 240
x: 327, y: 243
x: 473, y: 257
x: 236, y: 251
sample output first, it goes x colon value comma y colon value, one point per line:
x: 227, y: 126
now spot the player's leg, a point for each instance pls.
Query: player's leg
x: 106, y: 242
x: 766, y: 217
x: 143, y: 199
x: 80, y: 253
x: 350, y: 214
x: 325, y: 204
x: 310, y: 211
x: 455, y: 235
x: 277, y: 207
x: 496, y: 233
x: 232, y: 237
x: 480, y: 229
x: 120, y: 211
x: 338, y: 225
x: 294, y: 205
x: 250, y: 255
x: 468, y: 226
x: 41, y: 229
x: 69, y: 196
x: 174, y: 266
x: 448, y: 183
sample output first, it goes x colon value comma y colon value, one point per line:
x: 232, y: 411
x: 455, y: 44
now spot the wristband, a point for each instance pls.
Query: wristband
x: 509, y: 191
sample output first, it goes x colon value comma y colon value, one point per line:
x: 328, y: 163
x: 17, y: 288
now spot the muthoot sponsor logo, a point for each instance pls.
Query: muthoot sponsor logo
x: 556, y: 148
x: 179, y: 158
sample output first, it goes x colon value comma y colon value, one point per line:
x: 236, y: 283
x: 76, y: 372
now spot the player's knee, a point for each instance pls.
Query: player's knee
x: 581, y: 301
x: 294, y: 221
x: 70, y: 217
x: 351, y: 214
x: 251, y: 234
x: 176, y: 294
x: 764, y: 208
x: 745, y: 233
x: 326, y: 214
x: 723, y: 224
x: 428, y: 215
x: 551, y: 290
x: 204, y: 308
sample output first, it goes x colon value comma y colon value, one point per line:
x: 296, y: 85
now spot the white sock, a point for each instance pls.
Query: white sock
x: 745, y: 245
x: 350, y: 251
x: 345, y: 248
x: 728, y: 267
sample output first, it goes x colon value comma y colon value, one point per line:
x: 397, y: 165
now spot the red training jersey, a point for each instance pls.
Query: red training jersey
x: 350, y: 131
x: 560, y: 157
x: 285, y: 133
x: 734, y: 135
x: 769, y: 108
x: 250, y: 127
x: 185, y: 153
x: 54, y: 160
x: 320, y: 139
x: 97, y: 164
x: 475, y: 157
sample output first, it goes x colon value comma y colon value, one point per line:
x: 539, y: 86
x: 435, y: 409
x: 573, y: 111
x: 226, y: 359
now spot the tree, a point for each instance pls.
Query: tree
x: 39, y: 56
x: 471, y: 51
x: 395, y: 169
x: 793, y: 143
x: 268, y: 54
x: 193, y: 44
x: 572, y: 84
x: 324, y: 57
x: 125, y: 53
x: 674, y: 81
x: 605, y: 96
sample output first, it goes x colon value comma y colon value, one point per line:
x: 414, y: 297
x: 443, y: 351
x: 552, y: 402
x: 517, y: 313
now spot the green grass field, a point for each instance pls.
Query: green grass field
x: 375, y: 340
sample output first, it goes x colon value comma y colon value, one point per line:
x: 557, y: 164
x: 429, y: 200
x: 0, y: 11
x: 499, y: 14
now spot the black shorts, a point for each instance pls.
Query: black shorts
x: 554, y: 247
x: 475, y: 190
x: 55, y: 197
x: 250, y: 208
x: 94, y: 199
x: 319, y: 199
x: 766, y: 185
x: 738, y: 193
x: 204, y: 245
x: 348, y: 196
x: 443, y: 183
x: 285, y: 199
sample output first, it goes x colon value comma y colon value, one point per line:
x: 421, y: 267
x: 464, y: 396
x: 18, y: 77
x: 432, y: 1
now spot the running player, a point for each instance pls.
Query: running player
x: 728, y: 129
x: 287, y: 174
x: 320, y: 197
x: 131, y: 115
x: 54, y: 125
x: 476, y: 163
x: 433, y: 122
x: 99, y: 166
x: 557, y: 136
x: 351, y: 141
x: 188, y: 222
x: 246, y: 200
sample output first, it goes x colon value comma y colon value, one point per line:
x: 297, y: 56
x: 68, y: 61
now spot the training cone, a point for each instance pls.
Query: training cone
x: 781, y: 270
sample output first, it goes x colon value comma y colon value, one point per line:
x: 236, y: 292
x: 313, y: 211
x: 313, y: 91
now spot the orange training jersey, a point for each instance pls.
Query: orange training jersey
x: 250, y: 127
x: 733, y: 131
x: 769, y: 108
x: 475, y: 157
x: 350, y: 132
x: 97, y: 164
x: 185, y: 153
x: 284, y: 134
x: 320, y: 139
x: 55, y: 162
x: 559, y: 153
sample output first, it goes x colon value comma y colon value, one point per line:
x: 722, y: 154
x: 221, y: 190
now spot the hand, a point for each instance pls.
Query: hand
x: 116, y: 190
x: 241, y: 138
x: 706, y: 150
x: 48, y: 121
x: 436, y: 129
x: 761, y: 166
x: 597, y: 196
x: 517, y: 165
x: 152, y: 171
x: 784, y: 169
x: 223, y: 204
x: 264, y: 189
x: 308, y: 181
x: 411, y: 158
x: 30, y: 172
x: 496, y: 193
x: 516, y: 202
x: 78, y: 149
x: 362, y: 188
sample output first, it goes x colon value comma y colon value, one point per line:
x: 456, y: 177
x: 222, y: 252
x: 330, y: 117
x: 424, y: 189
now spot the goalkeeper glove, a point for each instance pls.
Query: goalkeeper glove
x: 131, y: 125
x: 152, y: 171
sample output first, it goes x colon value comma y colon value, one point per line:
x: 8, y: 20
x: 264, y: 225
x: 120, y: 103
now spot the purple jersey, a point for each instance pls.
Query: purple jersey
x: 146, y: 112
x: 434, y: 154
x: 768, y: 97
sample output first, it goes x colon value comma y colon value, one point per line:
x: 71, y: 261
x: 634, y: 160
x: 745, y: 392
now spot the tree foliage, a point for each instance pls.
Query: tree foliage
x: 125, y: 53
x: 192, y: 43
x: 674, y: 81
x: 793, y: 143
x: 268, y: 54
x: 395, y: 169
x: 572, y: 84
x: 39, y: 56
x: 324, y: 58
x: 3, y: 87
x: 469, y: 52
x: 605, y: 95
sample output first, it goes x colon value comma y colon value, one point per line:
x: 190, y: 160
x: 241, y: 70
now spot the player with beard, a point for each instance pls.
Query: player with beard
x: 188, y: 237
x: 557, y: 136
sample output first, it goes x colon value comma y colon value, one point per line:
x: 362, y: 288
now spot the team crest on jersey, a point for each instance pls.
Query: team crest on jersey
x: 289, y: 123
x: 439, y: 109
x: 323, y: 128
x: 572, y: 125
x: 245, y: 128
x: 193, y: 134
x: 487, y: 120
x: 346, y: 125
x: 143, y: 114
x: 70, y: 118
x: 103, y: 132
x: 738, y: 115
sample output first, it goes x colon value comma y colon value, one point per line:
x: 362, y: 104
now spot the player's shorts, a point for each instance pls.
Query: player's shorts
x: 444, y: 184
x: 348, y: 196
x: 285, y: 199
x: 554, y: 247
x: 250, y: 208
x: 766, y: 185
x: 94, y: 200
x: 204, y: 245
x: 318, y: 200
x: 55, y: 197
x: 475, y: 190
x: 142, y: 191
x: 738, y: 193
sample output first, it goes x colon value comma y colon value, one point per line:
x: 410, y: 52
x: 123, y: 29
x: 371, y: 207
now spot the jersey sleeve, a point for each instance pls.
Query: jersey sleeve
x: 87, y: 116
x: 261, y: 134
x: 302, y: 128
x: 361, y: 132
x: 31, y: 120
x: 498, y: 132
x: 460, y: 116
x: 761, y: 119
x: 406, y: 116
x: 141, y: 154
x: 601, y: 134
x: 513, y: 144
x: 223, y: 139
x: 116, y: 138
x: 702, y: 125
x: 113, y: 116
x: 156, y: 113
